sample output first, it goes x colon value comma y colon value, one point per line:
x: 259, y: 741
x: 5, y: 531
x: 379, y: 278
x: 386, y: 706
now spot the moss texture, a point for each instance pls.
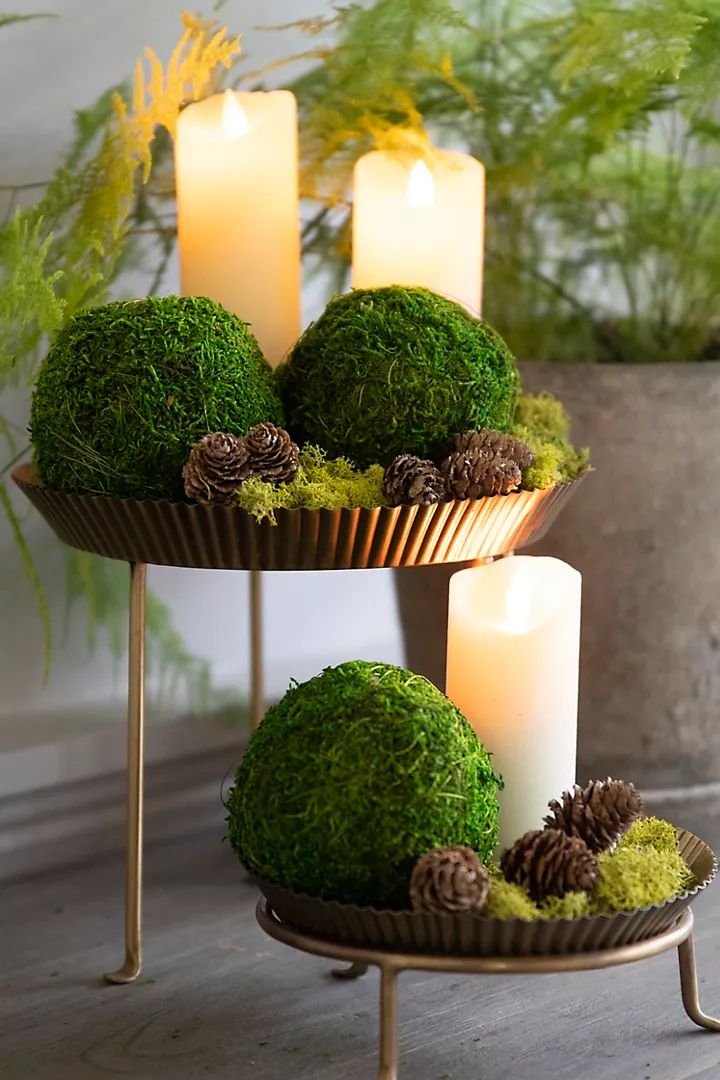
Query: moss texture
x: 127, y: 389
x: 396, y: 371
x: 541, y: 422
x: 651, y: 832
x: 319, y: 483
x: 573, y: 905
x: 353, y: 776
x: 508, y: 901
x: 633, y: 877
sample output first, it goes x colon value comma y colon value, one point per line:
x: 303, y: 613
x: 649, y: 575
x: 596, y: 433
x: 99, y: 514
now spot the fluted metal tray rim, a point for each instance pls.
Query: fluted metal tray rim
x: 477, y: 934
x: 164, y: 532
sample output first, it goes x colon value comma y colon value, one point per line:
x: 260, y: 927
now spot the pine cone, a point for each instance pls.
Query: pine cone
x: 497, y: 445
x: 549, y: 863
x: 599, y: 814
x: 272, y: 455
x: 450, y: 880
x: 485, y: 463
x: 411, y: 481
x: 215, y: 468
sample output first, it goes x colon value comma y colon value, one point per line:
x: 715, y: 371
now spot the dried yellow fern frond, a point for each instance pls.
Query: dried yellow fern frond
x: 158, y: 98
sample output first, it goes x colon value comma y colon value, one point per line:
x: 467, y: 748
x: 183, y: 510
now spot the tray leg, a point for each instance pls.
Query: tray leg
x: 354, y: 971
x: 257, y: 690
x: 136, y: 707
x: 388, y: 1023
x: 689, y: 986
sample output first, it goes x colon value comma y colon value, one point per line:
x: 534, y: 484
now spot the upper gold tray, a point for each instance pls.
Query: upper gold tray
x: 226, y: 538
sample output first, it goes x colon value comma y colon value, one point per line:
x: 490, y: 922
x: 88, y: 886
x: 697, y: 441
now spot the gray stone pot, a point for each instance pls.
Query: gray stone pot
x: 644, y: 530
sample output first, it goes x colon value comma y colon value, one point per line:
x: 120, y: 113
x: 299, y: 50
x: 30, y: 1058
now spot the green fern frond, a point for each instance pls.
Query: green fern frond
x: 29, y: 296
x: 31, y: 573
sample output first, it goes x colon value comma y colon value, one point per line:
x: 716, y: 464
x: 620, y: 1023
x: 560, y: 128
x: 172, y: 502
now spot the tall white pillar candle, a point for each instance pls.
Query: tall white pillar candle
x: 420, y: 223
x: 236, y: 163
x: 512, y: 669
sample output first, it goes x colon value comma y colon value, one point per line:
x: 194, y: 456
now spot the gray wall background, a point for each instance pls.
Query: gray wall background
x: 72, y: 727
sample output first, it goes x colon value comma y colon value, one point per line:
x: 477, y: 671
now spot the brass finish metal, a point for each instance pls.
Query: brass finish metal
x: 257, y: 688
x: 689, y: 986
x: 391, y: 964
x: 136, y: 717
x: 466, y: 935
x: 163, y: 533
x: 354, y: 971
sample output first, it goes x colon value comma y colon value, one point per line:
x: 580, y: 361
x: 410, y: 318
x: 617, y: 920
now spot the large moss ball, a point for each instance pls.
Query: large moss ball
x: 128, y: 388
x: 352, y: 776
x: 396, y: 371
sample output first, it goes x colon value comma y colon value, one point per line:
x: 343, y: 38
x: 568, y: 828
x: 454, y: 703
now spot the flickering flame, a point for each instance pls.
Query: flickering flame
x: 518, y: 601
x: 420, y: 186
x: 234, y: 118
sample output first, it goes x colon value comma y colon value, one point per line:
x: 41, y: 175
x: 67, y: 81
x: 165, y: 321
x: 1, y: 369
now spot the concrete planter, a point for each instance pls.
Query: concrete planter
x: 644, y: 530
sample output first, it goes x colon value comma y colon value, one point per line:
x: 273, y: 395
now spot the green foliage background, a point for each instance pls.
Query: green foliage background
x: 597, y: 121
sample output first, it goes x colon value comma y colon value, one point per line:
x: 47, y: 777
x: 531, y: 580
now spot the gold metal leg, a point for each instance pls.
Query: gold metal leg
x: 689, y: 985
x: 355, y: 971
x: 388, y: 1023
x: 257, y: 689
x: 136, y: 708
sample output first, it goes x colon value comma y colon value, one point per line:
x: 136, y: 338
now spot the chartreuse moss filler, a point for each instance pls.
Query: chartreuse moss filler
x: 319, y: 483
x: 396, y: 371
x: 651, y: 832
x: 354, y: 775
x: 541, y: 422
x: 645, y: 868
x: 508, y: 901
x: 633, y: 877
x: 572, y: 905
x: 127, y: 389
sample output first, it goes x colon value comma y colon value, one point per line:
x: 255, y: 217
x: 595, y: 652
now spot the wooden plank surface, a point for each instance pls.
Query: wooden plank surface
x: 219, y: 999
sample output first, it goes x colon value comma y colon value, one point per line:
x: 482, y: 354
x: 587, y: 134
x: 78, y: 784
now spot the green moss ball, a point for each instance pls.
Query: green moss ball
x: 353, y: 776
x: 396, y: 371
x: 128, y: 388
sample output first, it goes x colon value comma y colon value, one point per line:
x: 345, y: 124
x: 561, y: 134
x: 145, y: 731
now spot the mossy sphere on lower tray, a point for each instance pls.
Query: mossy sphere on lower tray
x: 396, y: 371
x: 127, y: 389
x: 354, y: 775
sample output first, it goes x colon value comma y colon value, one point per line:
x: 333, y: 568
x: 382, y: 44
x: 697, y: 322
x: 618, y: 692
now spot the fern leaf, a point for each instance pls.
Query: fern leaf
x: 28, y: 564
x: 138, y: 101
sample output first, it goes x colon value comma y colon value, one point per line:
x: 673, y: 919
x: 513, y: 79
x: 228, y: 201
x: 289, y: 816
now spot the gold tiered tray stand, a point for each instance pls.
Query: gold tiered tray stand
x: 163, y: 533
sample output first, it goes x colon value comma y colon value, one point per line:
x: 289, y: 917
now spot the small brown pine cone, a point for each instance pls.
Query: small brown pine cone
x: 599, y: 814
x: 449, y: 880
x: 272, y: 455
x: 496, y: 444
x: 411, y: 481
x: 215, y: 468
x: 485, y: 463
x: 549, y: 863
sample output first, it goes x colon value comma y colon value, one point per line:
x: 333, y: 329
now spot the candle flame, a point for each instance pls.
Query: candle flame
x: 234, y: 118
x: 420, y: 186
x: 518, y: 601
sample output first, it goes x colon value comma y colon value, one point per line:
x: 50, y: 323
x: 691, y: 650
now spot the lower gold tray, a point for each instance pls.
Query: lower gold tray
x: 478, y: 935
x: 226, y: 538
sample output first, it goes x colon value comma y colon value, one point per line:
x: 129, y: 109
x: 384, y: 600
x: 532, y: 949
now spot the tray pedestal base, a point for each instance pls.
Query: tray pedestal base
x: 390, y: 964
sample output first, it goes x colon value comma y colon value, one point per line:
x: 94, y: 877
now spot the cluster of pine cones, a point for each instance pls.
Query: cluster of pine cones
x: 482, y: 463
x: 220, y: 463
x: 547, y: 862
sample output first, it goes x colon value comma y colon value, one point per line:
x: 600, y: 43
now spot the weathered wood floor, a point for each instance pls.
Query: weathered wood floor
x: 218, y: 999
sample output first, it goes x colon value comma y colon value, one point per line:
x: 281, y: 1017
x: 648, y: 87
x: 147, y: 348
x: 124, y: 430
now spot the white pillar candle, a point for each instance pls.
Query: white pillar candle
x: 420, y: 223
x: 512, y: 669
x: 236, y: 163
